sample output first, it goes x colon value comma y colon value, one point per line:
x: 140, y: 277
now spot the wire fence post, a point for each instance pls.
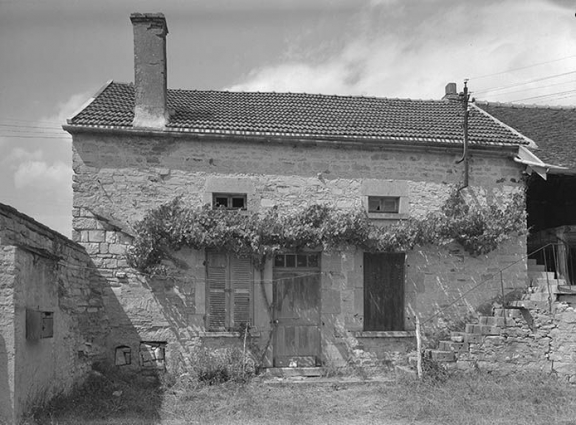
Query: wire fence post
x: 418, y: 349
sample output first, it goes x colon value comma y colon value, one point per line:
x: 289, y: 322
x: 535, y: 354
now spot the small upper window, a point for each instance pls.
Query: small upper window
x: 229, y: 201
x: 383, y: 204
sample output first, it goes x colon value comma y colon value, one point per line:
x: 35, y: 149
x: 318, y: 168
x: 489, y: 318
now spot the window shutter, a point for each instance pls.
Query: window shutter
x: 241, y: 279
x: 216, y: 285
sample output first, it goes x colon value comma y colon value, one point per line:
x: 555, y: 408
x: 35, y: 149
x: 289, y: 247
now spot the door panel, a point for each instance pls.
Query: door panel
x: 296, y: 317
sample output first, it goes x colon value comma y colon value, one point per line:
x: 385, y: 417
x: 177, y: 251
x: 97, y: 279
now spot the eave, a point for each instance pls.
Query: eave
x: 396, y: 143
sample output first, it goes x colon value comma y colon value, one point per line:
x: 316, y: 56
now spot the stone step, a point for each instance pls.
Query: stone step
x: 441, y: 356
x: 531, y: 262
x: 541, y: 296
x: 536, y: 267
x: 483, y: 329
x: 456, y: 347
x: 507, y: 313
x: 566, y: 289
x: 457, y: 336
x: 543, y: 282
x: 529, y: 305
x: 491, y: 321
x: 567, y: 298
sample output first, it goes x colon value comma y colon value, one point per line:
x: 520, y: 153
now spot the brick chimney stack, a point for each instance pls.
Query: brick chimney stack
x: 150, y: 76
x: 451, y: 92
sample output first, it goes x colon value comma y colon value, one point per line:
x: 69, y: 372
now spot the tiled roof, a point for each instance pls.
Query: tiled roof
x: 553, y: 129
x: 303, y: 115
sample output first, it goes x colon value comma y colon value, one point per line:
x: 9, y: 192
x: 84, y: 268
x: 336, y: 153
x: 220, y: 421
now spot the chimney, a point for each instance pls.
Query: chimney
x: 451, y: 92
x: 150, y: 78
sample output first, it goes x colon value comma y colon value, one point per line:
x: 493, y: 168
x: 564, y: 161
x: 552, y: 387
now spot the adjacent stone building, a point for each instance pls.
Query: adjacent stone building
x: 52, y: 323
x: 139, y: 146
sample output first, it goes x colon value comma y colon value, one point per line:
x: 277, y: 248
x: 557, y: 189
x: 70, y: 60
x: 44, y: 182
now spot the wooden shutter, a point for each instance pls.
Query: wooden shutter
x: 241, y: 278
x: 384, y: 292
x: 229, y: 285
x: 216, y: 271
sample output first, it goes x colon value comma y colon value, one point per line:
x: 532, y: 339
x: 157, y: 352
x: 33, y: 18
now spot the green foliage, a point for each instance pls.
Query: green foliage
x: 478, y: 228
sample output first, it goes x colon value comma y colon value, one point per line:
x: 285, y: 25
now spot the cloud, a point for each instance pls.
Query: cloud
x: 413, y: 50
x: 41, y: 175
x: 18, y: 155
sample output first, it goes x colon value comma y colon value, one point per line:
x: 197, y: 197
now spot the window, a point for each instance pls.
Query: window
x: 228, y: 291
x: 229, y: 201
x: 299, y: 261
x: 383, y: 204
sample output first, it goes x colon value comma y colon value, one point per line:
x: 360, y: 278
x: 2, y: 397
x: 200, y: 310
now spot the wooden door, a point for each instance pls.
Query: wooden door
x: 384, y: 291
x: 296, y: 318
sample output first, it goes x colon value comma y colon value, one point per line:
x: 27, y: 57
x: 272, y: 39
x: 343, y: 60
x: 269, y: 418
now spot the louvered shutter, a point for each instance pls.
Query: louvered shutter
x: 241, y: 278
x: 217, y: 271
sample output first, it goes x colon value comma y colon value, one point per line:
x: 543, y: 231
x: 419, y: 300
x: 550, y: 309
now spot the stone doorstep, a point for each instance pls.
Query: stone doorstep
x: 290, y: 372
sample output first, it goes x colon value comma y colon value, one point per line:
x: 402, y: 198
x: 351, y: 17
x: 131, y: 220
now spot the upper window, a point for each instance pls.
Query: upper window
x: 229, y: 201
x: 383, y: 204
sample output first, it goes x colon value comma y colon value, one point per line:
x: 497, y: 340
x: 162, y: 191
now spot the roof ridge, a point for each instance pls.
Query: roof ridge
x: 523, y: 105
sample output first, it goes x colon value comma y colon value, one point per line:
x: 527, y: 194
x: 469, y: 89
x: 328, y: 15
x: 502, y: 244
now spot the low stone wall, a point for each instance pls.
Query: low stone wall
x: 529, y: 340
x: 52, y: 322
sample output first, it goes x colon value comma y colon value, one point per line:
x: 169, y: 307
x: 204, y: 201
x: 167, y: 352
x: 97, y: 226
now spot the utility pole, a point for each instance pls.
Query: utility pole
x: 465, y: 96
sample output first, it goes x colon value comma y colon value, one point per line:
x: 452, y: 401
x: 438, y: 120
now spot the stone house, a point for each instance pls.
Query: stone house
x: 137, y: 146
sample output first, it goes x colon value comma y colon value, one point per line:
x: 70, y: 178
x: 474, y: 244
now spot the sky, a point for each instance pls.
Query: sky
x: 55, y: 55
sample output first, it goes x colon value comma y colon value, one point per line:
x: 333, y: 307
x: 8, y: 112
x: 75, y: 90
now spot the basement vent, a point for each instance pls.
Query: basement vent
x: 39, y: 324
x: 152, y: 355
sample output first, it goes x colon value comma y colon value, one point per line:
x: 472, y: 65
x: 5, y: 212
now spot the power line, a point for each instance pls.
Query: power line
x: 532, y: 88
x: 524, y: 83
x: 521, y: 68
x: 545, y: 96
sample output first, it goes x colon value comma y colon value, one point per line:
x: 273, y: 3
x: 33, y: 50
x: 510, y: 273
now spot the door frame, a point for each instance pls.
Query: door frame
x: 299, y: 271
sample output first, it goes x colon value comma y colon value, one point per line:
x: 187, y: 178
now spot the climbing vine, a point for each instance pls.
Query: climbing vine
x: 172, y: 226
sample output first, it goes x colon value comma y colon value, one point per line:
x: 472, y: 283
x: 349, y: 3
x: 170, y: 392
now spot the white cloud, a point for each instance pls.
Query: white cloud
x: 432, y: 44
x: 67, y: 108
x: 18, y: 155
x: 41, y: 175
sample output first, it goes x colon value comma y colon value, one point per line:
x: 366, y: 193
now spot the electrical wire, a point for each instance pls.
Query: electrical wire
x: 521, y: 68
x: 523, y: 83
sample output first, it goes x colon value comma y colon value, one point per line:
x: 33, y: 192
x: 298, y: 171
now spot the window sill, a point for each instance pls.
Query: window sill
x: 387, y: 216
x: 225, y: 334
x: 383, y: 334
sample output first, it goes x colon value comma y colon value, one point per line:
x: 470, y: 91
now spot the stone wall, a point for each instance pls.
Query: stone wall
x: 529, y: 340
x: 43, y: 271
x: 119, y: 177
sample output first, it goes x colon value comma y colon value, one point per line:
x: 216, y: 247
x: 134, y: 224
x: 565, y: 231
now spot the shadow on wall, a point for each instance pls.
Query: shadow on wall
x: 136, y: 359
x: 6, y: 412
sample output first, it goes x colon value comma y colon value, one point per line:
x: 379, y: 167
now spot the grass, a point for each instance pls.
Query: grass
x: 476, y: 399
